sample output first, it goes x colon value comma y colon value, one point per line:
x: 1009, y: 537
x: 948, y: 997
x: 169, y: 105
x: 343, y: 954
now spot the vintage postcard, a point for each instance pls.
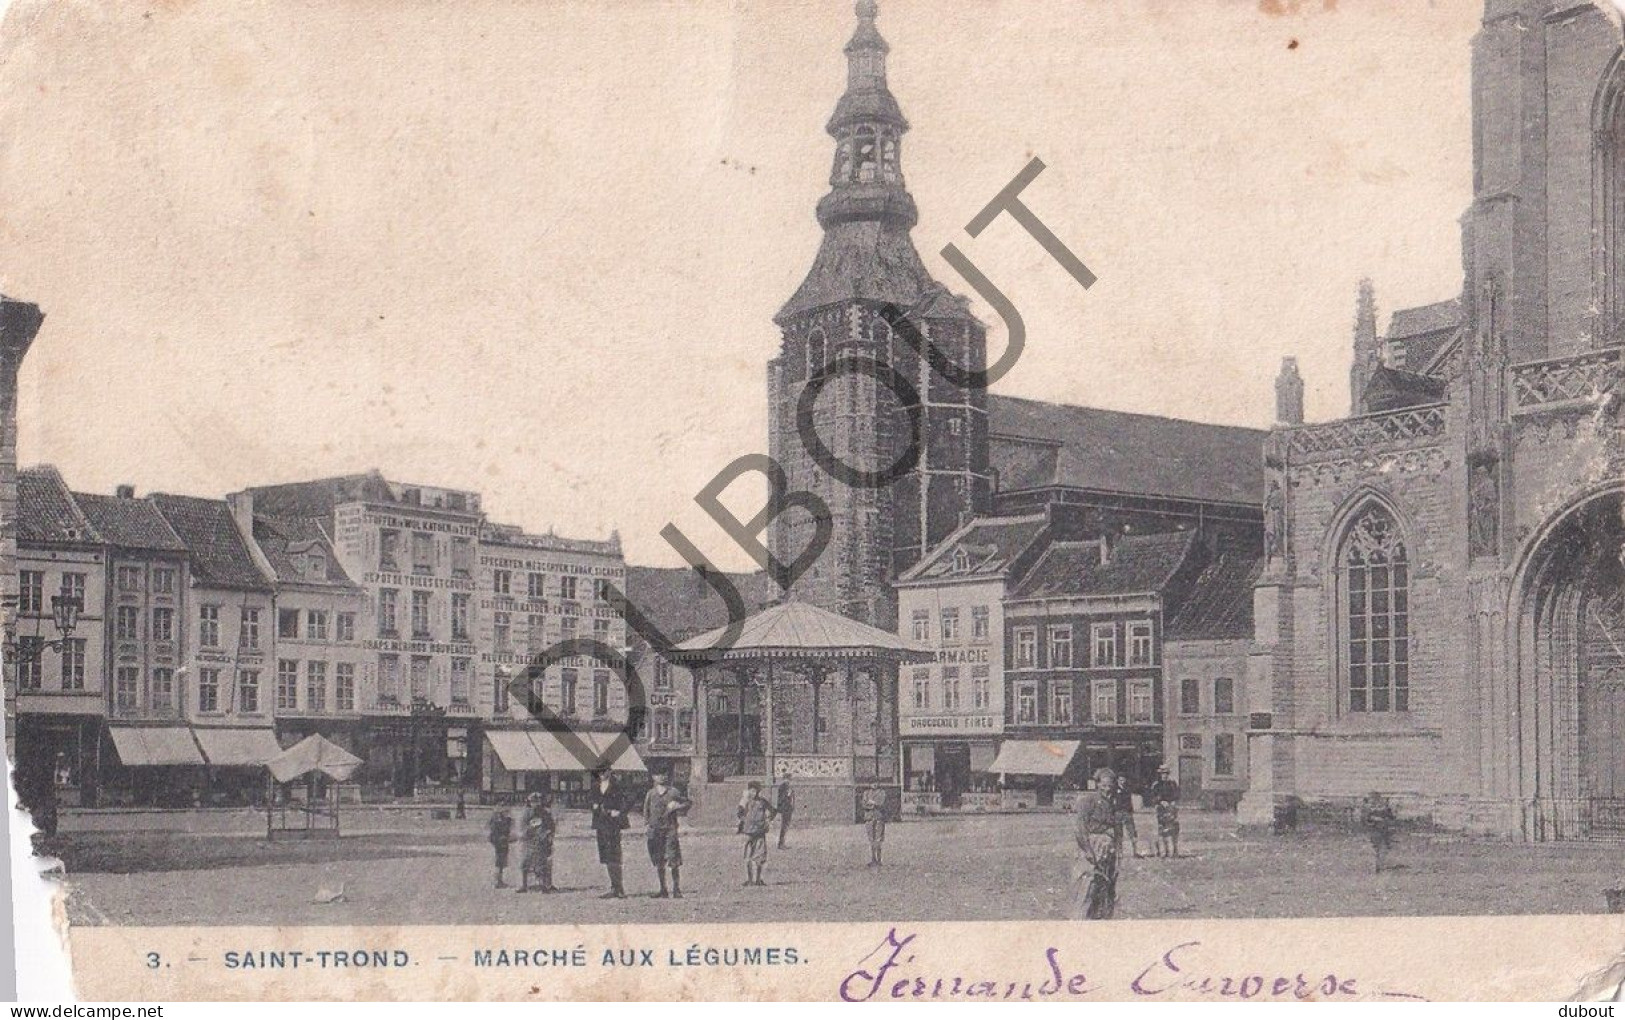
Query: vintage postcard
x: 801, y: 499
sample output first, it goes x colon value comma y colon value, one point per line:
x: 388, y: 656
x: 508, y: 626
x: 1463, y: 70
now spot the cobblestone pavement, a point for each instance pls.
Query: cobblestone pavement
x: 402, y: 867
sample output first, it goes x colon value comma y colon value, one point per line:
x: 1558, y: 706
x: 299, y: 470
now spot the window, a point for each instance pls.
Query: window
x: 536, y: 585
x: 344, y: 627
x: 248, y: 690
x: 129, y: 578
x: 662, y: 725
x: 1103, y: 637
x: 1224, y: 754
x: 127, y: 624
x: 1190, y: 696
x: 163, y: 580
x: 922, y: 625
x: 316, y: 686
x: 208, y: 690
x: 287, y: 684
x: 979, y: 623
x: 567, y: 692
x: 1026, y: 647
x: 567, y: 628
x: 462, y: 679
x: 1224, y: 696
x: 950, y: 688
x: 459, y: 616
x: 567, y: 588
x: 950, y: 625
x: 163, y: 689
x: 922, y: 689
x: 1141, y: 705
x: 1376, y: 595
x: 344, y: 686
x: 31, y: 591
x: 685, y: 724
x: 502, y: 632
x: 662, y: 675
x: 600, y: 693
x: 502, y: 582
x: 420, y: 678
x: 389, y: 678
x: 1027, y: 702
x: 127, y: 688
x: 163, y: 624
x: 981, y: 694
x: 499, y: 692
x: 535, y: 632
x: 1140, y: 651
x: 73, y: 664
x: 208, y: 626
x: 1060, y: 647
x: 389, y: 549
x: 422, y: 552
x: 73, y: 587
x: 387, y: 598
x: 248, y: 633
x: 420, y: 614
x: 600, y: 631
x: 316, y: 624
x: 1060, y: 707
x: 287, y: 624
x: 1190, y: 741
x: 462, y: 557
x: 30, y: 668
x: 600, y: 589
x: 1105, y: 702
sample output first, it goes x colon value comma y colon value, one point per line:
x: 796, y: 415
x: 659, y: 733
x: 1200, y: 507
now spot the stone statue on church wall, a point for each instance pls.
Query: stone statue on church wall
x: 1483, y: 511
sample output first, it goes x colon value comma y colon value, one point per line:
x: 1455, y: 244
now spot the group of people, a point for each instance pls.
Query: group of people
x: 1105, y: 820
x: 611, y: 814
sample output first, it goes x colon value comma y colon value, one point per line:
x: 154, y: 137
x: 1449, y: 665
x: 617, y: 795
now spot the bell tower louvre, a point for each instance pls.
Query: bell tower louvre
x: 865, y: 263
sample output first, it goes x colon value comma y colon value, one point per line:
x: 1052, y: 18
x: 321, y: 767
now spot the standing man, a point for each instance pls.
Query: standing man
x: 608, y: 822
x: 1094, y: 875
x: 1123, y: 801
x: 874, y: 821
x: 662, y: 806
x: 1378, y: 819
x: 499, y: 831
x: 754, y: 821
x: 1165, y: 795
x: 785, y: 806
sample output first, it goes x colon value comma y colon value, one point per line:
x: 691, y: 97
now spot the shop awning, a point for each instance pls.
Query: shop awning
x: 545, y: 751
x: 315, y: 753
x: 155, y: 745
x: 237, y: 746
x: 1034, y: 757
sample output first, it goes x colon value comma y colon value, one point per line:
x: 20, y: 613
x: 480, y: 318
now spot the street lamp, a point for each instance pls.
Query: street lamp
x: 65, y: 610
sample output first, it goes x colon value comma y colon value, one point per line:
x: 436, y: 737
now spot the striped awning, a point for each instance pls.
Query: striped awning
x: 155, y: 745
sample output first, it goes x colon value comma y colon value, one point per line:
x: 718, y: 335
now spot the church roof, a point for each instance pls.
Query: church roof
x: 1219, y: 604
x: 1416, y: 336
x: 987, y: 547
x: 1390, y: 389
x: 1035, y: 445
x: 1133, y: 565
x: 861, y: 260
x: 802, y: 630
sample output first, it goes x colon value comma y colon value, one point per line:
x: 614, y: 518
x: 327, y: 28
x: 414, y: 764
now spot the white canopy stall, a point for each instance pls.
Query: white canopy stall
x: 314, y: 759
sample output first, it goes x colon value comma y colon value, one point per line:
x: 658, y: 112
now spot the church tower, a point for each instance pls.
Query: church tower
x: 865, y: 263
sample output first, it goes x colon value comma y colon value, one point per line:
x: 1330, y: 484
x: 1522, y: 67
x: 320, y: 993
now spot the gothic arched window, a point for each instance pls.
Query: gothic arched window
x: 866, y: 155
x: 817, y: 356
x: 1374, y: 576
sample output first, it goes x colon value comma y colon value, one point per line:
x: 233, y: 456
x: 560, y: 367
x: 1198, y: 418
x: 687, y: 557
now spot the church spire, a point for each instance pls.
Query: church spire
x: 866, y: 182
x: 1367, y: 350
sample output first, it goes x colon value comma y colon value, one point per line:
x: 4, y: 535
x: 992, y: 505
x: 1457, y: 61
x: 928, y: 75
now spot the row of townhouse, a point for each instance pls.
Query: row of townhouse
x: 393, y: 619
x: 1057, y: 655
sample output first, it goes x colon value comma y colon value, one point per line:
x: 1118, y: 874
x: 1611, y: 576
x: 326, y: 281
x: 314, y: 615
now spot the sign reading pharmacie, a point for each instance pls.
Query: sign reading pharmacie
x: 948, y: 725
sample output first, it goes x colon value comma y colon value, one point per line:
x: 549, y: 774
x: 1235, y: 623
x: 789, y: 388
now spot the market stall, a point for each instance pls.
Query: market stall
x: 311, y: 807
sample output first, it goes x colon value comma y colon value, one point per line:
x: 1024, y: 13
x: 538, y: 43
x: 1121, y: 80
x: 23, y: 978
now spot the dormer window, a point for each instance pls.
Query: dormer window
x: 961, y: 560
x: 316, y: 567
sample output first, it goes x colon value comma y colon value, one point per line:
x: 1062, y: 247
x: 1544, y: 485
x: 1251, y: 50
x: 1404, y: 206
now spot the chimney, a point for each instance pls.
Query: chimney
x: 125, y: 491
x: 1289, y: 393
x: 242, y: 511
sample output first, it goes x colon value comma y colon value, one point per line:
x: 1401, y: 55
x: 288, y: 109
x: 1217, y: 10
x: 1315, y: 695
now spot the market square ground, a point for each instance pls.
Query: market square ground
x: 401, y: 867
